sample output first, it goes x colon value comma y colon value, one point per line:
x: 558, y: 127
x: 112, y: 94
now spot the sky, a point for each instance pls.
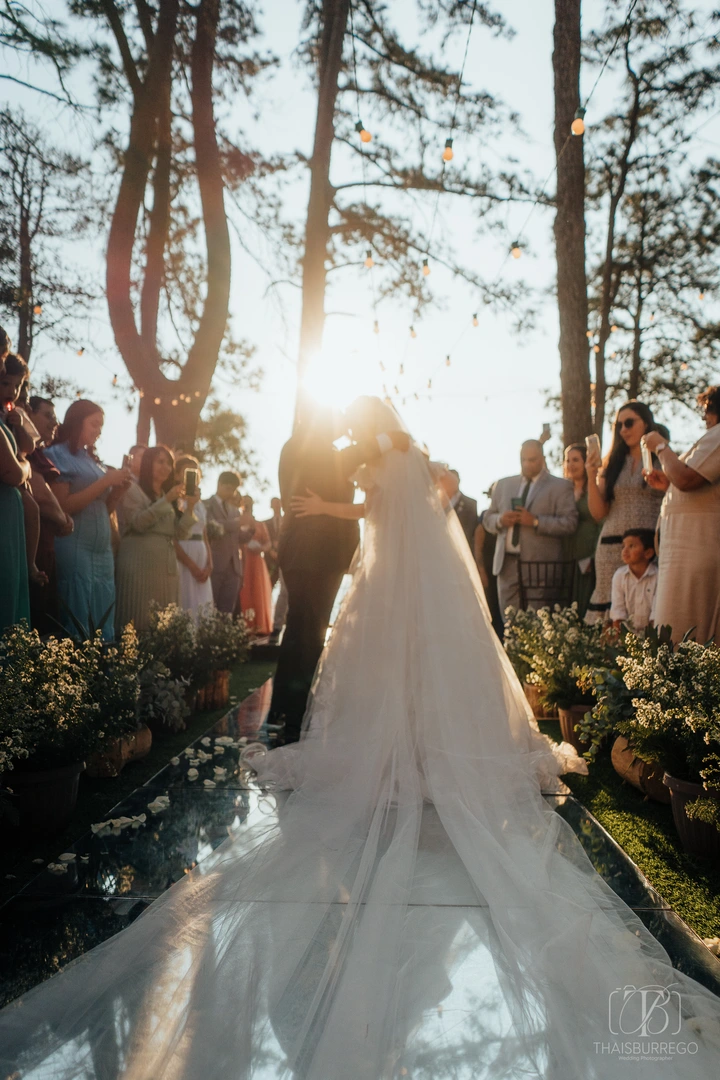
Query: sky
x: 493, y: 394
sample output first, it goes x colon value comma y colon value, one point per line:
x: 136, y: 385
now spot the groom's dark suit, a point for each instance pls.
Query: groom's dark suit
x: 313, y: 553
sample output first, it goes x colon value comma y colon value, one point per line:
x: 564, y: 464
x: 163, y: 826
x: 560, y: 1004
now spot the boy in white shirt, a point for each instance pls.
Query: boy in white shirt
x: 634, y: 584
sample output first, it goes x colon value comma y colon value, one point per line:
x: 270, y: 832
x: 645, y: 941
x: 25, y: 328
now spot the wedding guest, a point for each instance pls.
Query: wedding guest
x: 256, y: 590
x: 619, y: 497
x: 463, y: 505
x: 54, y: 522
x: 147, y: 567
x: 14, y: 472
x: 530, y: 513
x: 194, y: 555
x: 13, y: 383
x: 224, y: 508
x: 634, y: 584
x: 135, y: 456
x: 579, y: 547
x: 88, y: 492
x: 688, y: 595
x: 484, y: 551
x: 273, y: 525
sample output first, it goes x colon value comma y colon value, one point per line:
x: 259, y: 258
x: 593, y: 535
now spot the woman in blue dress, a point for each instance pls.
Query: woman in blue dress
x: 88, y: 492
x: 14, y: 595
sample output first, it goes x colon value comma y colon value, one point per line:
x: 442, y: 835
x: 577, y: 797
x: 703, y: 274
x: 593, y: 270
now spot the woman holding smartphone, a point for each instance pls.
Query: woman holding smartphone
x: 194, y: 556
x: 619, y: 497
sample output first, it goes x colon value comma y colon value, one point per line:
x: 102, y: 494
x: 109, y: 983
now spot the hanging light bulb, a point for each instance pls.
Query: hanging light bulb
x: 416, y: 396
x: 613, y: 328
x: 157, y: 400
x: 376, y: 327
x: 388, y: 400
x: 683, y: 366
x: 78, y: 393
x: 613, y: 355
x: 197, y: 393
x: 596, y: 348
x: 652, y: 316
x: 37, y: 309
x: 395, y: 389
x: 174, y: 401
x: 362, y: 131
x: 384, y: 389
x: 81, y: 350
x: 476, y: 321
x: 115, y: 380
x: 413, y: 332
x: 578, y: 125
x: 515, y: 249
x: 447, y: 361
x: 402, y: 369
x: 429, y: 384
x: 701, y: 296
x: 141, y: 393
x: 369, y: 261
x: 448, y: 151
x: 425, y: 268
x: 382, y: 366
x: 404, y: 400
x: 588, y: 333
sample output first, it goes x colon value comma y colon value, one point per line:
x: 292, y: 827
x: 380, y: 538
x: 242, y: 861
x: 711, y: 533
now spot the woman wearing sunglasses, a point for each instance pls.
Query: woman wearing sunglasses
x: 619, y: 497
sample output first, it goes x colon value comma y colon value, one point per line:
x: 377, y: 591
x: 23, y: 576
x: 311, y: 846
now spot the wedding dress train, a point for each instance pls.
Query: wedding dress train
x: 415, y: 908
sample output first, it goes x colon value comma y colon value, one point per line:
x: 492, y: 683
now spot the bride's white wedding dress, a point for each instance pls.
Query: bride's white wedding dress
x: 416, y: 909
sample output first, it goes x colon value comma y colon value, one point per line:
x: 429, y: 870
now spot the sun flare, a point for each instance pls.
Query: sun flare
x: 346, y: 366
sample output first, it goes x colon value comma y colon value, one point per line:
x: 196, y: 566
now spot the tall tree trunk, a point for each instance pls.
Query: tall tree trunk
x: 608, y: 291
x: 317, y: 231
x: 569, y: 227
x: 25, y: 307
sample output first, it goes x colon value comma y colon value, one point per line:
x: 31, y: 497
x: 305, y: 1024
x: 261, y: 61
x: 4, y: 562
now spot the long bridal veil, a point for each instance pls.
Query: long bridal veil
x: 414, y: 868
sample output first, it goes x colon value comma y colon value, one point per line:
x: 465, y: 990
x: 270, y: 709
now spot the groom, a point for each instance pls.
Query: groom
x: 314, y: 553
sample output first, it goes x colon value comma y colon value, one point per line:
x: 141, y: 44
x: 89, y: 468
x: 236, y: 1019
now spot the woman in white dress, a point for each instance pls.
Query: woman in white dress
x: 415, y: 908
x: 194, y: 554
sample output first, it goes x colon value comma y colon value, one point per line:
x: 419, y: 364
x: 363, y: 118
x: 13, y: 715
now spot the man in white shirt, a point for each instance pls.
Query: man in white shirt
x: 634, y: 584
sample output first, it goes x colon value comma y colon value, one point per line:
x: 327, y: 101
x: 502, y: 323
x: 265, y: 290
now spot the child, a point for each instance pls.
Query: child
x: 634, y: 584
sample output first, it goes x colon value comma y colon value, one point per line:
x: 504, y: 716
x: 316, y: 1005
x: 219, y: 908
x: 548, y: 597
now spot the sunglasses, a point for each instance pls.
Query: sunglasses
x: 627, y: 423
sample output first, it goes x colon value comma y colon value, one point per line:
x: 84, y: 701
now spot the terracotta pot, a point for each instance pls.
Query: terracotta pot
x: 45, y: 799
x: 222, y: 689
x: 130, y: 748
x: 540, y: 712
x: 646, y: 778
x: 696, y: 837
x: 568, y: 719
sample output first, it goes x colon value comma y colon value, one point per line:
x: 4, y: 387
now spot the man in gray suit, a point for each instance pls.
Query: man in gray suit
x: 530, y: 514
x: 224, y: 508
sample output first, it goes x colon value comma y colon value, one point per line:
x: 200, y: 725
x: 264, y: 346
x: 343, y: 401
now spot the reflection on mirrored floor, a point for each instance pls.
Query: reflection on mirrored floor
x: 459, y: 1014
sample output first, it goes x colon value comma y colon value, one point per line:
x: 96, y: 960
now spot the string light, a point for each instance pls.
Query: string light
x: 652, y: 316
x: 448, y: 151
x: 376, y: 327
x: 613, y: 328
x: 588, y: 334
x: 447, y: 361
x: 174, y: 401
x: 425, y: 268
x: 578, y: 125
x: 78, y: 393
x: 413, y: 332
x: 115, y: 380
x: 515, y: 249
x: 80, y: 351
x: 395, y: 389
x: 416, y: 396
x: 388, y: 399
x: 382, y: 366
x: 141, y: 393
x: 402, y: 369
x: 596, y: 348
x: 362, y: 131
x: 683, y: 366
x: 197, y: 393
x: 476, y: 321
x: 37, y: 310
x: 369, y: 261
x: 429, y: 384
x: 157, y: 400
x: 613, y: 355
x: 701, y: 296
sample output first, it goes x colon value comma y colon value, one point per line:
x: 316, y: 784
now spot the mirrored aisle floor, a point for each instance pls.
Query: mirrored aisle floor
x: 118, y: 871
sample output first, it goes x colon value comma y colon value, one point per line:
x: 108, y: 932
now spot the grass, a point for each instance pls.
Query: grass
x: 97, y: 796
x: 645, y: 830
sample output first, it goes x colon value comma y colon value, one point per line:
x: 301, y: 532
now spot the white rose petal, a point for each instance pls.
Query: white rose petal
x: 84, y: 858
x: 219, y: 750
x: 10, y: 877
x: 39, y: 862
x: 243, y: 741
x: 224, y: 740
x: 174, y: 760
x: 209, y: 783
x: 220, y: 773
x: 192, y: 774
x: 67, y: 856
x: 202, y: 756
x: 206, y: 741
x: 57, y: 868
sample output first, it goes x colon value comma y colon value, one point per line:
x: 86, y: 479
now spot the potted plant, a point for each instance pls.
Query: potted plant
x: 676, y: 722
x: 169, y: 640
x: 162, y: 703
x: 220, y: 642
x: 523, y: 632
x: 43, y: 695
x: 113, y: 684
x: 566, y: 645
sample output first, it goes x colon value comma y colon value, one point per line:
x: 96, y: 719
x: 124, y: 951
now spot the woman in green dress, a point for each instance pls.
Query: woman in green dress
x: 580, y: 547
x: 14, y: 595
x: 149, y: 523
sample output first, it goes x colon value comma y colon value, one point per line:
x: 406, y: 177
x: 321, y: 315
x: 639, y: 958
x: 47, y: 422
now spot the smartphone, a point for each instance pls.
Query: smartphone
x: 592, y: 442
x: 647, y: 459
x: 517, y: 504
x: 546, y: 429
x: 190, y: 481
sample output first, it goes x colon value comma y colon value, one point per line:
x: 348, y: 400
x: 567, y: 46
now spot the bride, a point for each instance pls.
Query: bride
x: 414, y: 908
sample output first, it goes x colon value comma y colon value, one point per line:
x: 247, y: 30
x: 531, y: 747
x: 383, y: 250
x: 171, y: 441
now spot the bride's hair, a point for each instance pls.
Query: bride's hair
x: 371, y: 416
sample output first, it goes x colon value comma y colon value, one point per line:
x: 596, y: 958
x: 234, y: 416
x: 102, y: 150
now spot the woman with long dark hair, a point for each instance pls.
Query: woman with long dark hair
x: 88, y: 492
x: 580, y: 547
x: 619, y: 497
x: 147, y: 566
x: 14, y: 472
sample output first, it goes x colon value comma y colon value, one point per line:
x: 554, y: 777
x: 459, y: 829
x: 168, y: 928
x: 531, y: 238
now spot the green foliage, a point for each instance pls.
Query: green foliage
x: 170, y: 641
x: 221, y: 642
x: 162, y: 698
x: 523, y: 636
